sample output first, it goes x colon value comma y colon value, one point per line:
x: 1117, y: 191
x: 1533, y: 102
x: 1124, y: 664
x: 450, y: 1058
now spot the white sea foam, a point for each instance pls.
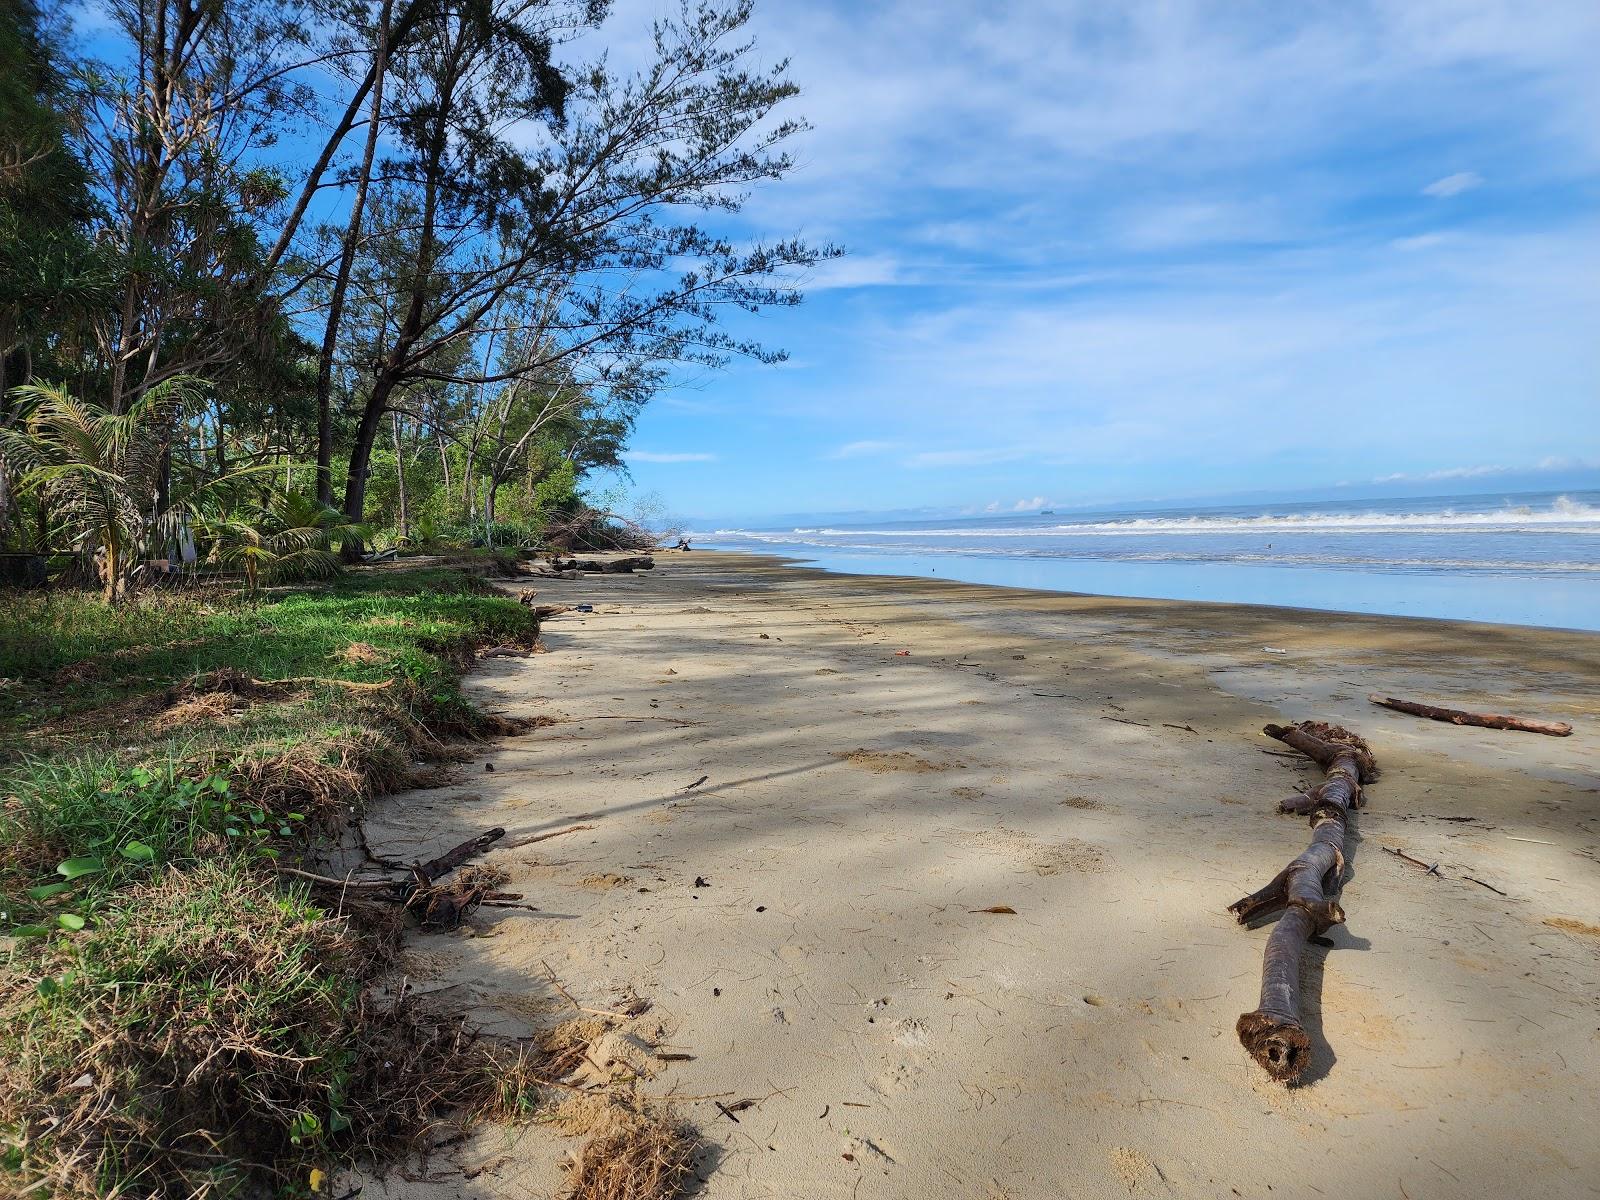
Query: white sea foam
x: 1563, y: 516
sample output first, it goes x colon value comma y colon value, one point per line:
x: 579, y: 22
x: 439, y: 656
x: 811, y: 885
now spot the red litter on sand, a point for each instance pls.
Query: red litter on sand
x: 902, y: 654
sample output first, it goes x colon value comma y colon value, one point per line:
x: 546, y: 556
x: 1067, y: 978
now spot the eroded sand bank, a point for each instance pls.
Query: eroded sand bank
x: 1094, y: 764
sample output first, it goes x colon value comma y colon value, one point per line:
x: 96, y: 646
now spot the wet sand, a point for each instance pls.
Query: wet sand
x: 1096, y: 765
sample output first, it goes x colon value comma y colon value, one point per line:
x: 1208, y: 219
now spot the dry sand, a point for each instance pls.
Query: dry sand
x: 1097, y: 766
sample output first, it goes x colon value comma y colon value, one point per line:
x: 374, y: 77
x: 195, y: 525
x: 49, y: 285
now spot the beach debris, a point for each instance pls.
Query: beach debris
x: 588, y: 608
x: 515, y: 843
x: 700, y: 881
x: 436, y: 906
x: 637, y: 1150
x: 508, y: 650
x: 1272, y: 650
x: 1481, y: 883
x: 526, y: 596
x: 996, y: 909
x: 691, y: 787
x: 1306, y: 892
x: 1430, y: 868
x: 1457, y: 716
x: 615, y: 566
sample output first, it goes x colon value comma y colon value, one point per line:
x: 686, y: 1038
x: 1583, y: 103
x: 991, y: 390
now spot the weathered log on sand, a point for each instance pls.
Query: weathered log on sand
x: 1457, y: 716
x: 1306, y: 891
x: 615, y: 566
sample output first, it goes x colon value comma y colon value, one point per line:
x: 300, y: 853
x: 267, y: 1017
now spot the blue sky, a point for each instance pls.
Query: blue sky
x: 1164, y: 248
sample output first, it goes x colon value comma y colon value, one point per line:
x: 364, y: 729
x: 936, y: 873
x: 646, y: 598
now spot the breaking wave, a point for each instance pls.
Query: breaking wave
x: 1564, y: 515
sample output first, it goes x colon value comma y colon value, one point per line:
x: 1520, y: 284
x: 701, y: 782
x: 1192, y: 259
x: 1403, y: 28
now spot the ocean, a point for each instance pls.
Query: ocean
x: 1524, y: 559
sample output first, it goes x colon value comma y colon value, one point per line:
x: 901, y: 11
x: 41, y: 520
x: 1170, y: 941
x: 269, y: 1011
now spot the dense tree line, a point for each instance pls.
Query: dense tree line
x: 286, y: 271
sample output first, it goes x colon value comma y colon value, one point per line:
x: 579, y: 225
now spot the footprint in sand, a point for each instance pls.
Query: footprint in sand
x: 1082, y: 802
x: 1136, y: 1171
x: 901, y: 1077
x: 913, y: 1031
x: 880, y: 762
x: 605, y: 881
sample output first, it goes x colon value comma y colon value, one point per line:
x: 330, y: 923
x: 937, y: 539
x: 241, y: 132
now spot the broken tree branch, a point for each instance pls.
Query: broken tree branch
x: 1306, y: 892
x: 436, y: 868
x: 1457, y: 716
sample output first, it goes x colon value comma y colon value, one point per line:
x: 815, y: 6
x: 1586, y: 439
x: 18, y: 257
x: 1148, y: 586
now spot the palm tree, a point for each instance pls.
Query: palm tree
x: 288, y: 536
x: 99, y: 470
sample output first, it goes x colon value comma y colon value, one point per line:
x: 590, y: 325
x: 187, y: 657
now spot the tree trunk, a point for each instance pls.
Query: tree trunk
x: 347, y: 255
x: 1306, y: 891
x: 393, y: 368
x: 400, y: 477
x: 355, y: 481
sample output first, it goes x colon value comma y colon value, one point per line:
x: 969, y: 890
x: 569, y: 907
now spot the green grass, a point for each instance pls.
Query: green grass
x: 65, y: 653
x: 173, y: 1021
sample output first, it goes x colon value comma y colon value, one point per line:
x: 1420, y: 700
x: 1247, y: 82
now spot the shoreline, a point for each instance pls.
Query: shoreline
x: 796, y: 563
x: 1479, y: 598
x: 1094, y: 763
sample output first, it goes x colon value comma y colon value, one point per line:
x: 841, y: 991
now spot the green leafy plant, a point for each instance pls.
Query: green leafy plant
x: 289, y: 536
x: 99, y: 469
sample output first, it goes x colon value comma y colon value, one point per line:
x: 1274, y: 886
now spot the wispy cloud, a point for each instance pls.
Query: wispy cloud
x: 1545, y: 466
x: 1453, y: 185
x: 855, y: 271
x: 864, y: 449
x: 1131, y: 249
x: 1021, y: 506
x: 651, y: 456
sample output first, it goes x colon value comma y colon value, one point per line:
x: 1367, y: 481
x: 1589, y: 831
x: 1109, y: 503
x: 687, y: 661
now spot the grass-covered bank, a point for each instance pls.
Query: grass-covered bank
x: 174, y: 1020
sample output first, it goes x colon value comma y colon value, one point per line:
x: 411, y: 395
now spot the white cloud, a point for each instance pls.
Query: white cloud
x: 866, y: 449
x: 651, y: 456
x: 1453, y: 185
x: 854, y: 271
x: 1234, y: 361
x: 1543, y: 466
x: 1442, y: 474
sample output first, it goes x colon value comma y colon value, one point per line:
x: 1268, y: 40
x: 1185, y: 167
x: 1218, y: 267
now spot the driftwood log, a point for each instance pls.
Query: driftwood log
x: 1306, y: 892
x: 1457, y: 716
x: 615, y: 566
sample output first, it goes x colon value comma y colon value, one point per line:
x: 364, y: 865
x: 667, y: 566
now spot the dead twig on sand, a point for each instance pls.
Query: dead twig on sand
x: 1429, y: 868
x: 518, y: 843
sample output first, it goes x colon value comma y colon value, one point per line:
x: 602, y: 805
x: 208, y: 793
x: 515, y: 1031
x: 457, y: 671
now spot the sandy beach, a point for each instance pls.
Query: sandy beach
x: 806, y: 789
